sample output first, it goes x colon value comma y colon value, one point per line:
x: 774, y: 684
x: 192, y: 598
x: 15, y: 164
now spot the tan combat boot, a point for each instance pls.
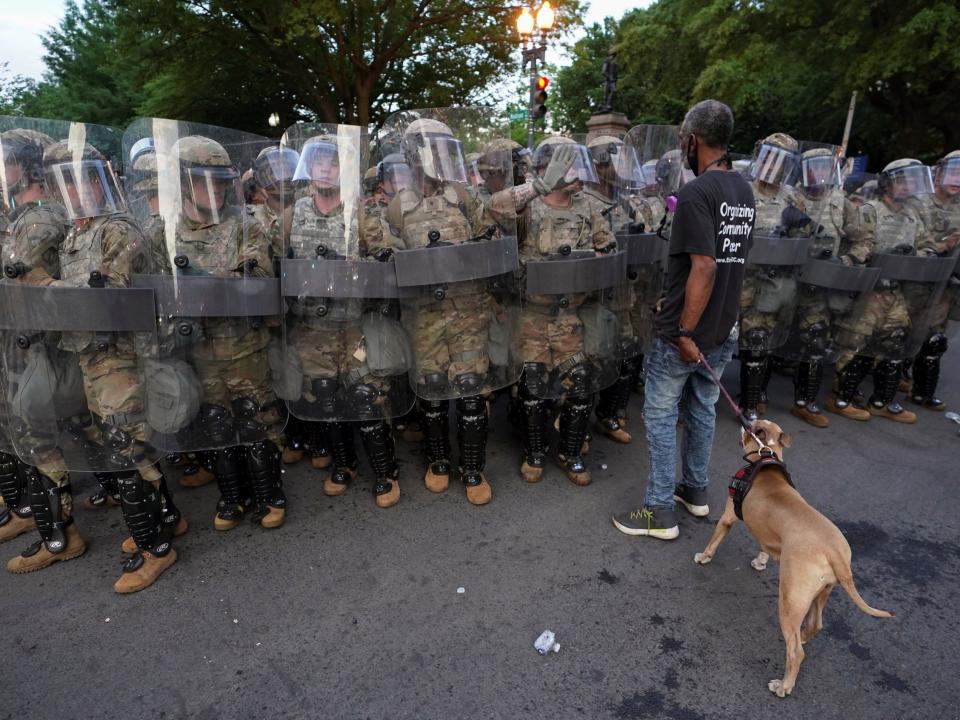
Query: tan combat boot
x: 811, y: 415
x: 15, y: 526
x: 195, y: 476
x: 575, y: 470
x: 386, y: 492
x: 893, y: 412
x: 847, y: 410
x: 612, y: 428
x: 321, y: 462
x: 480, y: 493
x: 437, y: 477
x: 291, y: 456
x: 37, y: 556
x: 129, y: 547
x: 142, y: 570
x: 531, y: 473
x: 335, y: 484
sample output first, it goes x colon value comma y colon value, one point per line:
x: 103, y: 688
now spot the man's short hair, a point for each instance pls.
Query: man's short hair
x: 711, y: 121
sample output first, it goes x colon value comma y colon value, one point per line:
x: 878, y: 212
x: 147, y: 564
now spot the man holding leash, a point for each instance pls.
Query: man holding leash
x: 709, y: 242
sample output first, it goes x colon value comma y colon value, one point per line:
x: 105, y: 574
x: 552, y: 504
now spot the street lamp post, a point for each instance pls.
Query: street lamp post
x: 534, y: 51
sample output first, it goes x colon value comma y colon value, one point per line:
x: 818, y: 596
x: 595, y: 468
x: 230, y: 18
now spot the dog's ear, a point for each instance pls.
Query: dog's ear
x: 786, y: 439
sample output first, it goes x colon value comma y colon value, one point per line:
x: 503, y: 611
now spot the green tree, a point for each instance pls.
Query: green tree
x: 352, y: 61
x: 14, y: 91
x: 791, y: 65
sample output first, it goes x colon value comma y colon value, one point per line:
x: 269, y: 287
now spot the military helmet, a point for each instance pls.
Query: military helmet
x: 81, y: 179
x: 948, y: 170
x: 908, y: 175
x: 274, y: 168
x: 199, y: 151
x: 781, y: 140
x: 144, y: 172
x: 370, y: 180
x: 501, y: 155
x: 603, y: 147
x: 63, y: 151
x: 775, y: 160
x: 25, y: 148
x: 817, y: 152
x: 546, y: 148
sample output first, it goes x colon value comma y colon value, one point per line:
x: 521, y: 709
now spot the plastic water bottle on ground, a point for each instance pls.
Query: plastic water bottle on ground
x: 547, y: 642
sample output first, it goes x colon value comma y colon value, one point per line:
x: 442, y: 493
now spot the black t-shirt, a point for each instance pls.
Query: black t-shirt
x: 714, y: 217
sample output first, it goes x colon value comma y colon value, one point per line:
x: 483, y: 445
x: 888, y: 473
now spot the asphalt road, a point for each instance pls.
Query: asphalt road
x: 353, y: 612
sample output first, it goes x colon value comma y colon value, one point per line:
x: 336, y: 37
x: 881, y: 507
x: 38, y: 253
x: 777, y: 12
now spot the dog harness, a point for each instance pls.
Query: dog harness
x: 743, y: 480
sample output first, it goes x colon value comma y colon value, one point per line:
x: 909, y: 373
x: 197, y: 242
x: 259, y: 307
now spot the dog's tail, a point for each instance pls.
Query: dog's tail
x: 846, y: 582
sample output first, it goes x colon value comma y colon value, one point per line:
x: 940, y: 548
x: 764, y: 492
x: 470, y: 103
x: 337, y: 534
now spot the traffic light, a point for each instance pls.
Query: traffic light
x: 540, y: 97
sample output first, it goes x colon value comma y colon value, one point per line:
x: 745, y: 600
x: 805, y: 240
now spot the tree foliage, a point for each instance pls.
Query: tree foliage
x: 789, y: 65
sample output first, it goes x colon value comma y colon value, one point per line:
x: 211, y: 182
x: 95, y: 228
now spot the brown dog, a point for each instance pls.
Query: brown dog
x: 813, y: 553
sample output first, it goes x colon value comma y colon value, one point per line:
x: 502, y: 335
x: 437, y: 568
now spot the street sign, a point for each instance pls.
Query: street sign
x: 517, y: 115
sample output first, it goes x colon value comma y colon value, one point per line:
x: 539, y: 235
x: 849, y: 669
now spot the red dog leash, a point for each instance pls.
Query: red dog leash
x: 747, y: 425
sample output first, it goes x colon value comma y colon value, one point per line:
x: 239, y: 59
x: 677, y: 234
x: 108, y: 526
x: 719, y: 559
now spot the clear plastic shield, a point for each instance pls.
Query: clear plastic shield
x: 781, y: 245
x: 643, y: 239
x: 827, y: 289
x: 343, y: 341
x: 456, y: 268
x: 209, y: 379
x: 894, y: 320
x: 73, y: 327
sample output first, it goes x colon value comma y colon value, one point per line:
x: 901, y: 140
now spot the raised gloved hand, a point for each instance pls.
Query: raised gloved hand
x: 554, y: 177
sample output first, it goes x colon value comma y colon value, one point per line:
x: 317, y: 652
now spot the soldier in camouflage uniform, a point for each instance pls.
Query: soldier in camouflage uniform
x: 103, y: 248
x: 450, y: 333
x: 772, y: 177
x: 35, y: 226
x: 558, y: 219
x: 216, y: 235
x: 619, y: 172
x: 889, y: 225
x: 826, y: 204
x: 271, y: 201
x: 940, y: 212
x: 326, y: 333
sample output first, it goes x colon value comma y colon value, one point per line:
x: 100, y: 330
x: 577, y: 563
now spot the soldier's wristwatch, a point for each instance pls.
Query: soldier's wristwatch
x: 684, y: 333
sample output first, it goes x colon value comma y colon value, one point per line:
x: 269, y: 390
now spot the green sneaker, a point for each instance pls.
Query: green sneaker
x: 660, y: 523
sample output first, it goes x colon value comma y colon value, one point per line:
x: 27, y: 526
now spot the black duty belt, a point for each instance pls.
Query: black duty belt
x: 742, y: 482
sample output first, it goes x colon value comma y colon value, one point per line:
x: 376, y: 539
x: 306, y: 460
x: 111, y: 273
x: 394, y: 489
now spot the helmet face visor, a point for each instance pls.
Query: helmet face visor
x: 627, y: 166
x: 774, y: 165
x: 821, y: 172
x: 909, y: 181
x: 441, y: 157
x: 276, y: 168
x: 319, y: 163
x: 85, y: 188
x: 396, y: 177
x: 213, y: 191
x: 948, y: 174
x: 581, y: 165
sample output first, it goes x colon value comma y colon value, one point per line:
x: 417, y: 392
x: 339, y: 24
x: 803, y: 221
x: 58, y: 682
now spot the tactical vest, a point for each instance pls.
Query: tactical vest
x: 894, y: 228
x: 215, y: 250
x: 80, y: 255
x: 314, y: 236
x: 828, y: 211
x: 552, y: 230
x: 35, y: 234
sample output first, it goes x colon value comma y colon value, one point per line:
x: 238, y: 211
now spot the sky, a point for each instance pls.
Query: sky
x: 24, y: 22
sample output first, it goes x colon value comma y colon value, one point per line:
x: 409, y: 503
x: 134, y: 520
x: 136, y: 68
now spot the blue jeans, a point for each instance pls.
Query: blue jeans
x: 668, y: 379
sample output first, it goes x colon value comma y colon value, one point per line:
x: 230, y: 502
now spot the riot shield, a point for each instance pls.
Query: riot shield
x: 343, y: 338
x: 781, y: 241
x: 574, y: 280
x: 456, y: 268
x: 72, y: 325
x: 827, y: 288
x: 894, y: 320
x: 642, y: 239
x: 217, y: 301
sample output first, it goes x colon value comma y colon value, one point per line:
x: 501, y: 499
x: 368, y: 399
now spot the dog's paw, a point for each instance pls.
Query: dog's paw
x: 778, y: 688
x: 759, y: 563
x: 702, y: 559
